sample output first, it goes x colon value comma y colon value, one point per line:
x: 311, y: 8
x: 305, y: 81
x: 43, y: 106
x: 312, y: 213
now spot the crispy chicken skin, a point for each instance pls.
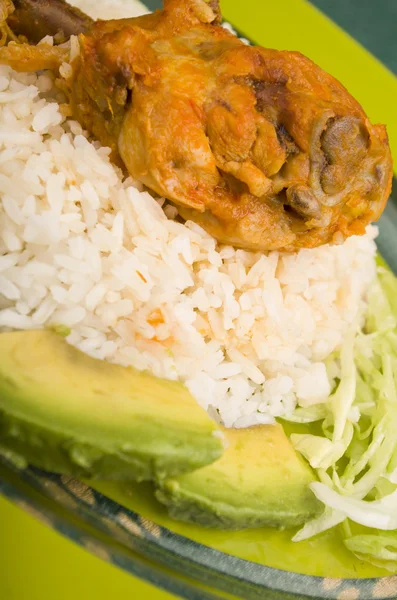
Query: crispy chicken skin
x: 260, y: 147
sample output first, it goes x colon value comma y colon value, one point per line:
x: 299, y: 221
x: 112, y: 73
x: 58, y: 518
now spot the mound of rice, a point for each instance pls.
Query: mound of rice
x: 248, y: 333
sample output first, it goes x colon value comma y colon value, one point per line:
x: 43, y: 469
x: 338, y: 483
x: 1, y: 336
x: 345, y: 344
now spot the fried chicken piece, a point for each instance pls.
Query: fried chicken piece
x: 260, y: 147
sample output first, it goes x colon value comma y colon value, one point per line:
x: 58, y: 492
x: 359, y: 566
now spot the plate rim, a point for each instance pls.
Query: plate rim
x: 156, y: 542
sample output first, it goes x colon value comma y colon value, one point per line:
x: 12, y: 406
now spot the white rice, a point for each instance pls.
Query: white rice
x: 248, y: 333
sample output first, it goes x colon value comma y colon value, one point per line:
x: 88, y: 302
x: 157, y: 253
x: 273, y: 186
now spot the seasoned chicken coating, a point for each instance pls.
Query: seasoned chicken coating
x: 260, y: 147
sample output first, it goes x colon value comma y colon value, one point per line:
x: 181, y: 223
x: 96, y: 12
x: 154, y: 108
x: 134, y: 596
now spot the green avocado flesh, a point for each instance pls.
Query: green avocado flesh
x: 258, y: 481
x: 64, y: 411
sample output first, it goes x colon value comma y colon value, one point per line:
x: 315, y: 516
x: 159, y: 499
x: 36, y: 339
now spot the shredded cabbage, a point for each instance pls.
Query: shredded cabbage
x: 310, y: 414
x: 380, y: 514
x: 380, y: 549
x: 328, y: 519
x: 354, y: 450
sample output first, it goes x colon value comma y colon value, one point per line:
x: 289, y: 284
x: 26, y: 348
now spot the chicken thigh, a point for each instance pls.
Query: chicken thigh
x: 260, y: 147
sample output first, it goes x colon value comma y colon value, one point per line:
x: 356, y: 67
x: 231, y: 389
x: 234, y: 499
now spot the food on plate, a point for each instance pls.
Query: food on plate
x: 260, y: 147
x: 35, y: 19
x: 259, y: 481
x: 65, y: 411
x: 306, y: 338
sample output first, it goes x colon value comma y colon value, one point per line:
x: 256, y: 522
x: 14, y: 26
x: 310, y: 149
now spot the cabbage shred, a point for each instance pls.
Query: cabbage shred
x: 353, y: 447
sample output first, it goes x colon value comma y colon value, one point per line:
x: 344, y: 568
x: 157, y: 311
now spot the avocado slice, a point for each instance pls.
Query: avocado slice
x: 259, y: 481
x: 64, y: 411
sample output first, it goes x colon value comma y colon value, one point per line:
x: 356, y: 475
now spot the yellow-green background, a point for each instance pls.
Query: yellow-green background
x: 35, y: 562
x: 38, y: 564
